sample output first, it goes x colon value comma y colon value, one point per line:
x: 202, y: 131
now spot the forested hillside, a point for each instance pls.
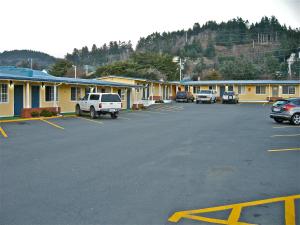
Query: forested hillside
x: 22, y: 58
x: 234, y: 49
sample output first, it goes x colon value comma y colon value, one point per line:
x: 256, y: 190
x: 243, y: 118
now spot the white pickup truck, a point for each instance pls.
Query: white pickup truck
x: 99, y: 103
x: 206, y: 96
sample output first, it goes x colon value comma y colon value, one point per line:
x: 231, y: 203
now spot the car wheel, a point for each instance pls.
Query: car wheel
x: 278, y: 120
x: 78, y: 110
x: 296, y: 119
x: 92, y: 113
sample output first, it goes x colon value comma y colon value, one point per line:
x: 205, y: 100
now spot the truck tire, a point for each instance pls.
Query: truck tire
x: 114, y: 115
x: 92, y: 112
x: 78, y: 110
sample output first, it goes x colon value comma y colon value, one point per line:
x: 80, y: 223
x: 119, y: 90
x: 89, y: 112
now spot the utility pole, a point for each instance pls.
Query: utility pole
x: 75, y: 70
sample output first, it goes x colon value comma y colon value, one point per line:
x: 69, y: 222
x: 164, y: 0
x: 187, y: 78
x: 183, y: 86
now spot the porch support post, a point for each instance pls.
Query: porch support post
x: 54, y: 95
x: 27, y: 98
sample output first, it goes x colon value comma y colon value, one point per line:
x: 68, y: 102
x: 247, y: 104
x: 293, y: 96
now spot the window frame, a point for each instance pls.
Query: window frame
x: 51, y: 99
x: 289, y: 87
x: 260, y: 88
x: 7, y: 93
x: 77, y: 98
x: 240, y: 88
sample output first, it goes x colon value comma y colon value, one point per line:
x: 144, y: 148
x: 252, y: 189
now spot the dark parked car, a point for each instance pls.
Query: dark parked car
x: 184, y: 96
x: 286, y: 110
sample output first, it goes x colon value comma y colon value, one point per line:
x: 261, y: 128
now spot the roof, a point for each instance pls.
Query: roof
x: 137, y: 79
x: 25, y: 74
x: 207, y: 82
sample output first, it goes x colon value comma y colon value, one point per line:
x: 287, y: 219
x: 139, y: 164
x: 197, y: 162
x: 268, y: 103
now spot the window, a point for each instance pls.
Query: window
x: 110, y: 98
x: 3, y: 93
x: 241, y: 90
x: 196, y: 89
x: 230, y: 88
x: 75, y: 93
x: 50, y: 93
x: 212, y: 87
x: 260, y: 90
x: 288, y: 90
x: 123, y: 92
x: 94, y: 97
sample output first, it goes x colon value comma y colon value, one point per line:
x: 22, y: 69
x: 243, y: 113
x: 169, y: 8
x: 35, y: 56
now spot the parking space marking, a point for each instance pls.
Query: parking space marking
x: 3, y: 132
x: 33, y: 119
x: 236, y: 209
x: 154, y: 112
x: 286, y: 127
x: 284, y: 150
x: 53, y: 124
x: 94, y: 121
x: 125, y: 118
x: 285, y: 135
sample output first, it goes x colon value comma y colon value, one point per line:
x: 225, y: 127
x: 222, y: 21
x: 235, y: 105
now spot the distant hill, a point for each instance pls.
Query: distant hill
x: 23, y: 58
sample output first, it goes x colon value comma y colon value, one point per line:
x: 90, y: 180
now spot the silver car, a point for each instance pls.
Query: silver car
x: 286, y: 110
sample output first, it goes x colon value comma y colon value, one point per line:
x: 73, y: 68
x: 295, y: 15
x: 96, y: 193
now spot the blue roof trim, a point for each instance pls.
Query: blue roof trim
x: 224, y: 82
x: 15, y: 73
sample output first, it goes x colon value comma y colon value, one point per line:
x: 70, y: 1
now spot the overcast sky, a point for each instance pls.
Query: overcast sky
x: 58, y: 26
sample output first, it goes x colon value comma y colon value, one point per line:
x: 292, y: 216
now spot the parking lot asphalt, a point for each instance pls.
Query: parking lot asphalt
x: 145, y: 166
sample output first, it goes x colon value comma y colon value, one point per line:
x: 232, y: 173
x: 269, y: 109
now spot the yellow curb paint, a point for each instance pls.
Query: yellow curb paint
x: 284, y: 150
x: 94, y: 121
x: 3, y: 132
x: 286, y: 135
x: 233, y: 219
x: 53, y: 124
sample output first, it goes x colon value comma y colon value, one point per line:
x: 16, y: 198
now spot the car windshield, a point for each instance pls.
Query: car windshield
x: 205, y: 92
x: 181, y: 93
x: 229, y: 93
x: 110, y: 98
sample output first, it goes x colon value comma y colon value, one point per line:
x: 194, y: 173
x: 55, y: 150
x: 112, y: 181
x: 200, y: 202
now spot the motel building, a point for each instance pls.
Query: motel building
x: 24, y: 90
x: 150, y: 91
x: 249, y: 90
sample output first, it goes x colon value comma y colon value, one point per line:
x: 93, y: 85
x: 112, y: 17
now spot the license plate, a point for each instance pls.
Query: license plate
x: 112, y: 110
x: 230, y: 97
x: 276, y: 109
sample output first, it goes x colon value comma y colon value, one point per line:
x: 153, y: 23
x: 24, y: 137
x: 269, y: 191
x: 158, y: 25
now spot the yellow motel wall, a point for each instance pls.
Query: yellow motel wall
x: 7, y: 108
x: 250, y: 91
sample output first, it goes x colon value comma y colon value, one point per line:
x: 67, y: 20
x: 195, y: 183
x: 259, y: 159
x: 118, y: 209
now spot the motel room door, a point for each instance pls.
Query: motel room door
x: 222, y: 90
x: 128, y: 98
x: 35, y: 96
x: 275, y: 91
x: 18, y: 99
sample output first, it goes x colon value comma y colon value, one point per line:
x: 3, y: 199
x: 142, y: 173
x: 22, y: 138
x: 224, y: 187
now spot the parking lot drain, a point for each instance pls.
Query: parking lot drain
x: 3, y: 132
x: 53, y: 124
x: 236, y: 209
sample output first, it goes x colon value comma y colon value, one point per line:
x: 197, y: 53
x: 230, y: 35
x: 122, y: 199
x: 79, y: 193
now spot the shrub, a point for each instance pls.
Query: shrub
x: 46, y: 113
x: 35, y: 114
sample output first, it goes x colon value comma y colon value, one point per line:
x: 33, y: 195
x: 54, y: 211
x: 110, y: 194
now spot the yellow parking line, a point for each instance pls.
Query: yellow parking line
x: 94, y: 121
x: 3, y: 132
x: 53, y: 124
x: 286, y: 135
x: 289, y: 206
x: 284, y: 150
x: 32, y: 119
